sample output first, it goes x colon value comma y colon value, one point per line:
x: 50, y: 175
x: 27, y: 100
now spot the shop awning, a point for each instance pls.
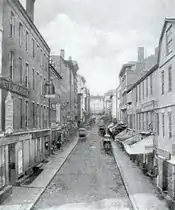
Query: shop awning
x: 144, y: 146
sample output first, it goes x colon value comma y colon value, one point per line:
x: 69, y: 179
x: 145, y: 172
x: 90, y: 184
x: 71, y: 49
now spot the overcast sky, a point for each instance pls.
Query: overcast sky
x: 102, y: 34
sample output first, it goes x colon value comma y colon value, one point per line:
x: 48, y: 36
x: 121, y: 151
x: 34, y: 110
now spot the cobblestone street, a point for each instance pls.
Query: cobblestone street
x: 89, y: 179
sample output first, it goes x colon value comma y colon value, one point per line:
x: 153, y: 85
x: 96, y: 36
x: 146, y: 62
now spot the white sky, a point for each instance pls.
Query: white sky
x: 102, y: 34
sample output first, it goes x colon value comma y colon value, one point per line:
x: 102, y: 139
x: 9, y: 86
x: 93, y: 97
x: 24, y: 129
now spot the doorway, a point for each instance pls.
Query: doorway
x: 12, y: 164
x: 165, y: 177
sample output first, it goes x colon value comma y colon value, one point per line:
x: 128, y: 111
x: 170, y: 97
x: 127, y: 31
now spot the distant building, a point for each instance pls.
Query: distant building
x: 73, y: 66
x: 83, y: 98
x: 130, y: 73
x: 118, y: 95
x: 97, y: 104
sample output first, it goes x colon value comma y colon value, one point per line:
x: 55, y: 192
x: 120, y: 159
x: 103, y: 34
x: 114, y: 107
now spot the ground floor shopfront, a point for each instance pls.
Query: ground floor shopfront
x: 166, y: 174
x: 20, y: 153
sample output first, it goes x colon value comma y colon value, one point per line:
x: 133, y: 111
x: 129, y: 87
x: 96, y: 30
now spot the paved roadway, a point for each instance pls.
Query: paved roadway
x: 88, y: 180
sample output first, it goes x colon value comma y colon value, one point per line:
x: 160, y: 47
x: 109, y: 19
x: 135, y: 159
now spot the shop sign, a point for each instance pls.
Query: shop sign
x: 9, y: 114
x: 138, y: 110
x: 164, y: 153
x: 149, y: 148
x: 20, y: 162
x: 15, y: 88
x: 148, y: 106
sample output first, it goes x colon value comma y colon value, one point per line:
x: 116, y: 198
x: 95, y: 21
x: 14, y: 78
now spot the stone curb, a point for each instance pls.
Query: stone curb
x: 43, y: 190
x: 134, y: 204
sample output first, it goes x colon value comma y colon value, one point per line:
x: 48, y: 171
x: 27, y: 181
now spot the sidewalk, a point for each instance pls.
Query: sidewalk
x: 24, y: 198
x: 140, y: 190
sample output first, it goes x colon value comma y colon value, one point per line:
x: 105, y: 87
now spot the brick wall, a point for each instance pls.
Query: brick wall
x: 37, y: 61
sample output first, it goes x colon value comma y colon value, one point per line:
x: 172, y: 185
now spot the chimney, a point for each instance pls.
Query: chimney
x: 70, y: 58
x: 62, y: 53
x: 30, y: 9
x: 141, y: 54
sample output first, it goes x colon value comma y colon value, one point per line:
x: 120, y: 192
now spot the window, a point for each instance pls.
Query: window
x: 20, y: 33
x: 170, y: 124
x: 170, y: 79
x: 169, y: 40
x: 38, y: 116
x: 146, y: 120
x: 143, y: 90
x: 139, y: 92
x: 33, y: 79
x: 11, y: 64
x: 12, y: 25
x: 33, y: 48
x: 41, y: 83
x: 143, y: 122
x: 20, y: 70
x: 47, y: 117
x: 41, y: 59
x: 27, y: 40
x: 162, y: 80
x: 33, y: 114
x: 151, y: 84
x: 44, y: 86
x: 27, y: 76
x: 157, y: 123
x: 37, y: 80
x: 21, y: 113
x: 44, y: 63
x: 147, y: 87
x: 26, y: 112
x: 41, y: 117
x: 163, y: 124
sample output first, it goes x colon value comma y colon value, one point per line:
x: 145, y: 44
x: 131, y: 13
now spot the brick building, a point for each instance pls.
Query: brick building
x: 73, y: 66
x: 130, y: 73
x: 24, y: 110
x: 165, y: 111
x: 83, y: 99
x: 67, y: 85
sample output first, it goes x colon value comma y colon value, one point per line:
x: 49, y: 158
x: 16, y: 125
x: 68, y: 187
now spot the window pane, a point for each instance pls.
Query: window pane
x: 170, y: 79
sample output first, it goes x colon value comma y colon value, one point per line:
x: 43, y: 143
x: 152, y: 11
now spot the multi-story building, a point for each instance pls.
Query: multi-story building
x: 83, y: 99
x: 110, y: 103
x: 165, y: 111
x: 63, y: 85
x: 97, y: 104
x: 54, y: 99
x: 141, y: 99
x: 24, y: 110
x: 129, y: 74
x: 118, y: 113
x: 73, y: 66
x: 126, y: 73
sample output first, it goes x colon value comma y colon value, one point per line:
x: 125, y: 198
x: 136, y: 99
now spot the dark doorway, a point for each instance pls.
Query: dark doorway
x: 165, y: 177
x: 12, y: 164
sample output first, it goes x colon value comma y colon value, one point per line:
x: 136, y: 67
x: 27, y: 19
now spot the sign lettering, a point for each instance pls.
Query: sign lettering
x: 15, y: 88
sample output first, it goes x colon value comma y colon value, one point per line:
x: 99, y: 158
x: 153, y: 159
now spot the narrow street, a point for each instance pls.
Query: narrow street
x: 89, y: 179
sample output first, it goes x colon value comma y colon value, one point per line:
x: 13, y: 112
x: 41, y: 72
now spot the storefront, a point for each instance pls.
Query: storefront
x: 140, y: 151
x: 3, y: 166
x: 163, y: 167
x: 40, y: 146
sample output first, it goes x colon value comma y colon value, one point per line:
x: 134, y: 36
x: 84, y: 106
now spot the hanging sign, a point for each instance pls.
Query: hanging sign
x: 9, y: 114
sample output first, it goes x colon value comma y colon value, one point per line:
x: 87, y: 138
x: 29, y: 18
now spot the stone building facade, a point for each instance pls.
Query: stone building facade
x: 24, y: 110
x: 165, y: 111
